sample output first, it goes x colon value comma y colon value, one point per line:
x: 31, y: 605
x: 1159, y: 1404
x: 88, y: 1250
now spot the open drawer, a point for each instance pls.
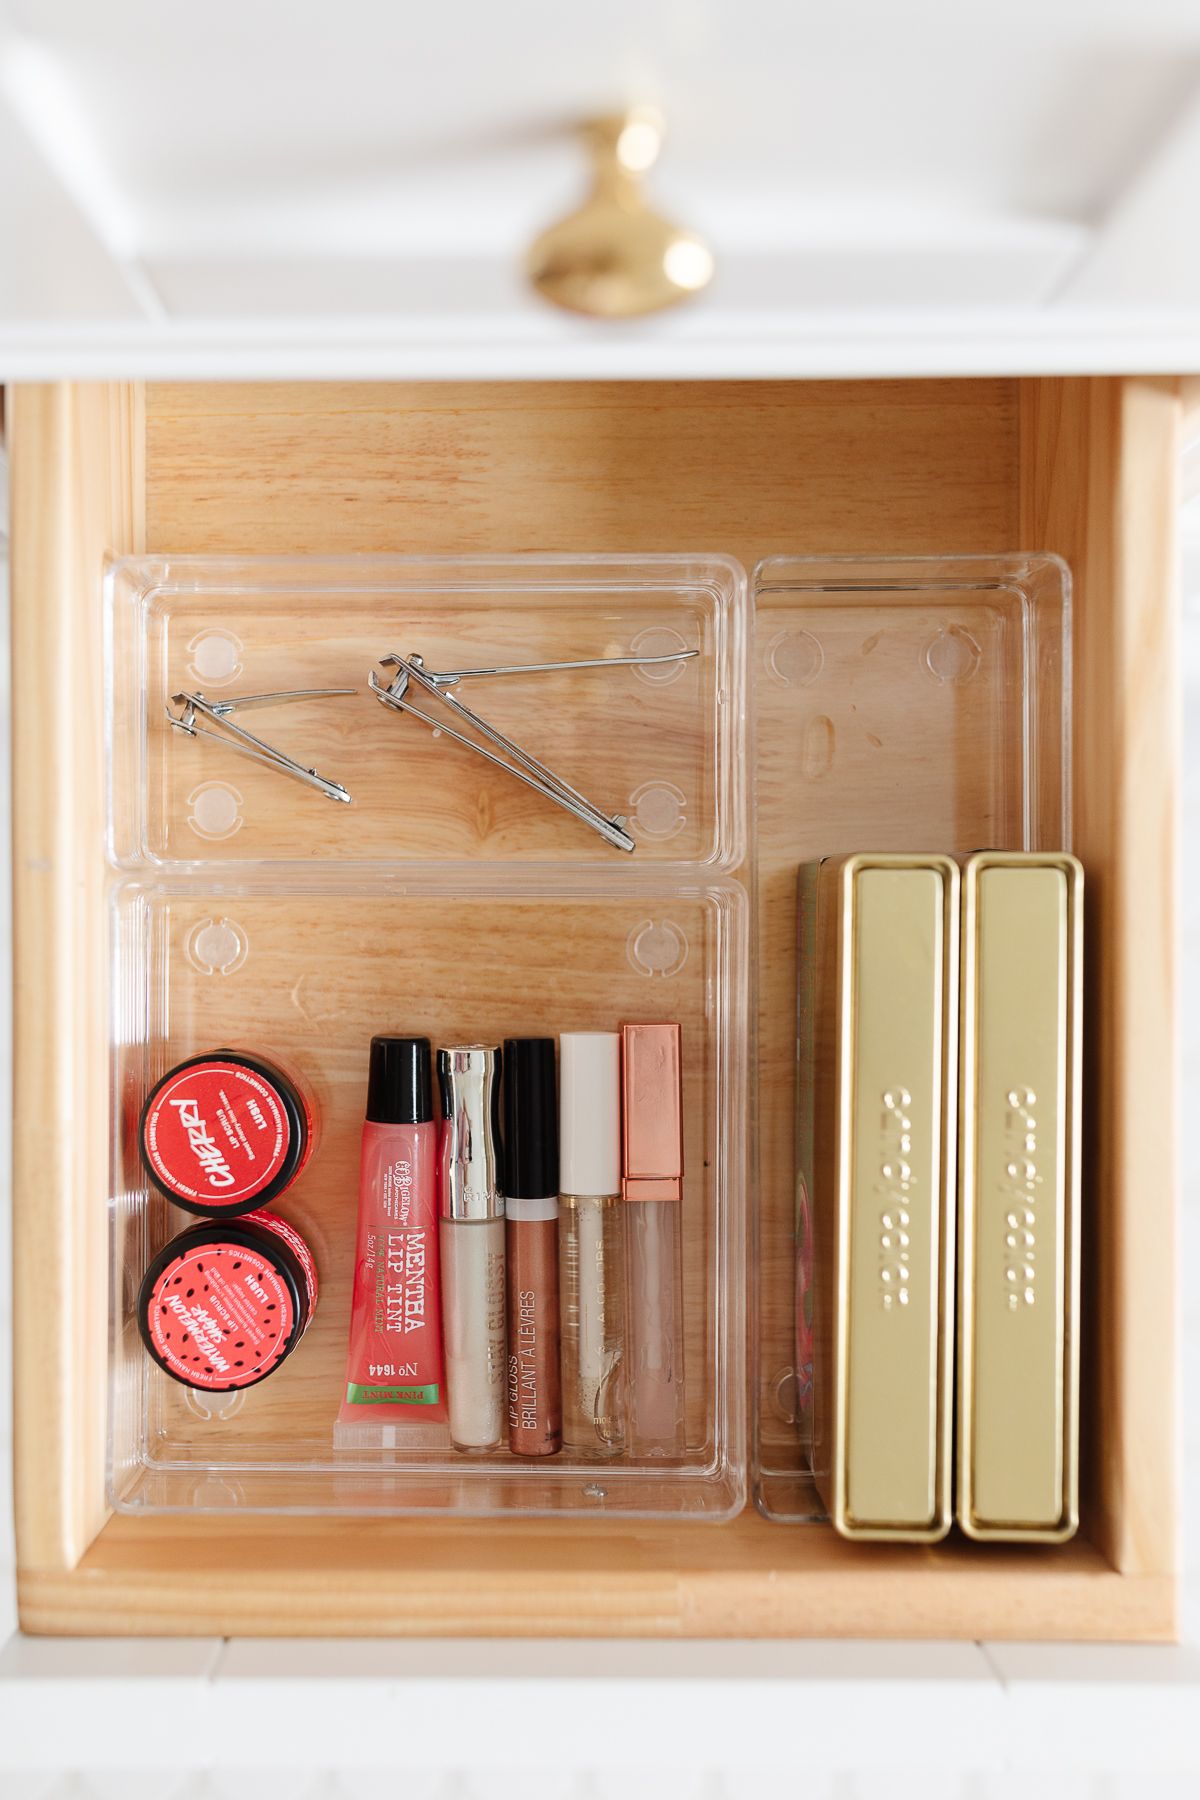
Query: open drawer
x: 1085, y: 469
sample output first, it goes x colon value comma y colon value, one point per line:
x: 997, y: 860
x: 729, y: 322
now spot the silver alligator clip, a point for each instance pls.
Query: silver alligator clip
x: 245, y: 742
x: 523, y: 767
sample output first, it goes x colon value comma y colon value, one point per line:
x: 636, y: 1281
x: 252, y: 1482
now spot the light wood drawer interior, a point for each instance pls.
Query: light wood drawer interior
x: 1084, y: 468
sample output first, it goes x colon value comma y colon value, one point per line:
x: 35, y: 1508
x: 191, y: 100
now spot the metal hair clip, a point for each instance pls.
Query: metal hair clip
x: 523, y: 767
x: 244, y: 741
x: 449, y: 678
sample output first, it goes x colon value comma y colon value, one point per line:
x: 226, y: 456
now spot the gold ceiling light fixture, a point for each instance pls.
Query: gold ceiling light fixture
x: 615, y: 257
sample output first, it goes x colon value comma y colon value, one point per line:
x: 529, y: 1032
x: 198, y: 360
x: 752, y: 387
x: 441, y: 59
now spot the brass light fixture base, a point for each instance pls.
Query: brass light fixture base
x: 616, y: 258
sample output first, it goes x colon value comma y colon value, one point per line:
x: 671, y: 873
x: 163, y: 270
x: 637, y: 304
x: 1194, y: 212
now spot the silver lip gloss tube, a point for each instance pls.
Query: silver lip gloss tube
x: 472, y: 1244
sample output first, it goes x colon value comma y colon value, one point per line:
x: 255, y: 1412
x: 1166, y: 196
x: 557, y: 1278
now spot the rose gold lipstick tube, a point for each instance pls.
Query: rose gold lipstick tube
x: 652, y: 1190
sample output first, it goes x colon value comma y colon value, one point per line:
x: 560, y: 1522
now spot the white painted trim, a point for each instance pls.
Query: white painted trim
x: 42, y: 103
x: 1148, y: 244
x: 801, y: 1709
x: 705, y: 345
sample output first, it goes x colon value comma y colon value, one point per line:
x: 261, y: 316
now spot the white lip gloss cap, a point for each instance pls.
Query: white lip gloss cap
x: 589, y: 1080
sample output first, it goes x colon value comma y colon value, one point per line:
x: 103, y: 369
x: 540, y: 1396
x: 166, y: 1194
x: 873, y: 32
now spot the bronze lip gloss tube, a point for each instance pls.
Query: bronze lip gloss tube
x: 531, y: 1200
x: 652, y: 1191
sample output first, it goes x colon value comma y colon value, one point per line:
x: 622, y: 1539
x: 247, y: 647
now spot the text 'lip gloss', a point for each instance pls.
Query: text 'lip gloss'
x: 395, y: 1356
x: 531, y: 1203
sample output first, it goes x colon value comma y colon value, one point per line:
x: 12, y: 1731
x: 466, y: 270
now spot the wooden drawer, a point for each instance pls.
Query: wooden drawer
x: 1085, y: 468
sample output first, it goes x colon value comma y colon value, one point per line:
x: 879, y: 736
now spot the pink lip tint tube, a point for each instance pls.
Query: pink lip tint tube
x: 652, y: 1191
x: 394, y: 1365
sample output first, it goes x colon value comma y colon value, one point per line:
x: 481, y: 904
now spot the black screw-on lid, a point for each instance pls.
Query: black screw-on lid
x: 530, y: 1119
x: 400, y: 1083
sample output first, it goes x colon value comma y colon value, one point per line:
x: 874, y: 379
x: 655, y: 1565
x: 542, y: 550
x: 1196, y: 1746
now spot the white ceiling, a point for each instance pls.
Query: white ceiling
x: 241, y: 176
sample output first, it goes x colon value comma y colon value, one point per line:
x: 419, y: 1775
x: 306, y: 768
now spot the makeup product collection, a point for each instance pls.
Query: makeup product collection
x: 518, y: 1267
x: 939, y: 1037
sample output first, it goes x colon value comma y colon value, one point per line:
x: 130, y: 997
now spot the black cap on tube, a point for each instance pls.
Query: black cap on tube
x: 400, y: 1084
x: 530, y: 1119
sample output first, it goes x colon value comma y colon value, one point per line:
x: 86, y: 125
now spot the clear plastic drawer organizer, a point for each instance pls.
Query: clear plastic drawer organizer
x: 827, y: 706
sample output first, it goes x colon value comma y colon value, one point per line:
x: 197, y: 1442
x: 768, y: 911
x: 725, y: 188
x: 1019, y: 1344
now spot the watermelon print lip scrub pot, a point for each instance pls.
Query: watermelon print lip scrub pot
x: 225, y: 1133
x: 224, y: 1303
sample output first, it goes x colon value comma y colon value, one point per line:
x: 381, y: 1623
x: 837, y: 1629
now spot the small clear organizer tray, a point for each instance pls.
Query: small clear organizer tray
x: 656, y: 743
x: 831, y: 705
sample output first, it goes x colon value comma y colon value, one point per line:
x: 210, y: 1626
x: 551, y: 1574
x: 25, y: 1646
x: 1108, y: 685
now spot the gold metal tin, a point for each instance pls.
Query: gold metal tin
x: 883, y: 1061
x: 1019, y: 1160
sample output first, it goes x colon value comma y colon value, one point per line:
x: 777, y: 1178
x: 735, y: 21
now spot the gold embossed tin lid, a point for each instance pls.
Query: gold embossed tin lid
x: 897, y: 1073
x: 1018, y: 1357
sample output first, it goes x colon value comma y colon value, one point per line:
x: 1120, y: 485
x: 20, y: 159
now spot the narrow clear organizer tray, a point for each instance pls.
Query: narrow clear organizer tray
x: 912, y: 704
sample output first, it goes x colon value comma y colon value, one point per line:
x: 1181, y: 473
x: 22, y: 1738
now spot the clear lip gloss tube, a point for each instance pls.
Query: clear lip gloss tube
x: 652, y: 1191
x: 472, y: 1244
x: 591, y: 1241
x: 531, y: 1203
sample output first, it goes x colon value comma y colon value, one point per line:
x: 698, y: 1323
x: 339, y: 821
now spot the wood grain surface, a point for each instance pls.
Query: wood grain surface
x: 1100, y: 471
x: 749, y: 1578
x: 746, y: 469
x: 77, y: 491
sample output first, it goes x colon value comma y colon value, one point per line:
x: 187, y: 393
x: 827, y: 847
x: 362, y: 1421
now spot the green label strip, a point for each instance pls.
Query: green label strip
x: 357, y: 1394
